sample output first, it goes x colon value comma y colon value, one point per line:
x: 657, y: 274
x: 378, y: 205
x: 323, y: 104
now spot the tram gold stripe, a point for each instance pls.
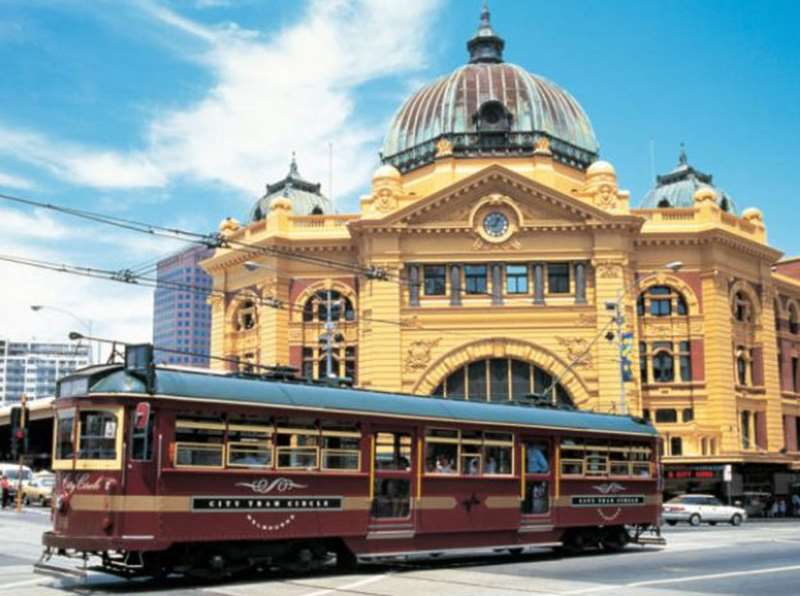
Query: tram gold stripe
x: 436, y: 503
x: 499, y: 502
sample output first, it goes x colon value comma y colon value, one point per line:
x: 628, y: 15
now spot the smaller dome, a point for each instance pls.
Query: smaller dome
x: 753, y: 214
x: 600, y: 167
x: 306, y: 197
x: 386, y: 171
x: 678, y: 187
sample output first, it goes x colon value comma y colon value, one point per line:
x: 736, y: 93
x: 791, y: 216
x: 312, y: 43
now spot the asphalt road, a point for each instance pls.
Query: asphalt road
x: 756, y: 558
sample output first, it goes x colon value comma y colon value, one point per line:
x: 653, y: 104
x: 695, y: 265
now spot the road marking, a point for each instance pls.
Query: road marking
x: 27, y: 582
x: 688, y: 578
x: 358, y: 584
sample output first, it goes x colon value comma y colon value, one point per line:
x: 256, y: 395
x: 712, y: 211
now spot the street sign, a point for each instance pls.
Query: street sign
x: 727, y: 473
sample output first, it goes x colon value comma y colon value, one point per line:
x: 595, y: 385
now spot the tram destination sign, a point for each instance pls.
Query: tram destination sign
x: 607, y: 500
x: 223, y: 504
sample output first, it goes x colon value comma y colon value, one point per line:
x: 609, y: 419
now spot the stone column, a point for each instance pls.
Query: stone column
x: 538, y: 283
x: 455, y: 285
x: 497, y: 284
x: 580, y: 283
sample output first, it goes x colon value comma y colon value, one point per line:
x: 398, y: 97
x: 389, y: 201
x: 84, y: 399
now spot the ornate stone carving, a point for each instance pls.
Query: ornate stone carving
x: 418, y: 355
x: 510, y: 244
x: 411, y: 322
x: 608, y: 269
x: 385, y: 200
x: 444, y: 148
x: 606, y: 197
x: 585, y: 320
x: 542, y: 145
x: 577, y: 351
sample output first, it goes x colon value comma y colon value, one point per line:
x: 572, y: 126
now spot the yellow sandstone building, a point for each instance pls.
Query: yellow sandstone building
x: 496, y: 257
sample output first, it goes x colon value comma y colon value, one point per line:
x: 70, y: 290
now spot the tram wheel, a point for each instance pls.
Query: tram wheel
x: 614, y: 540
x: 574, y: 543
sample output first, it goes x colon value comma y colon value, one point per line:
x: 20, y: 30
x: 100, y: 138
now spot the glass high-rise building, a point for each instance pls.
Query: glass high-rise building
x: 181, y: 314
x: 32, y: 367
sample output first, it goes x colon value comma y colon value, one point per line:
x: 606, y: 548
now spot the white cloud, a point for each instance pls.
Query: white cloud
x: 16, y: 225
x: 15, y: 182
x: 295, y: 89
x: 80, y: 164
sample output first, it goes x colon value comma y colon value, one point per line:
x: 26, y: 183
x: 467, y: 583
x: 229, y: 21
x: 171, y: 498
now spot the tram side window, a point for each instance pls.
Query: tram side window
x: 298, y: 447
x: 393, y: 451
x: 98, y: 435
x: 616, y: 459
x: 341, y: 448
x: 441, y: 451
x: 249, y: 446
x: 141, y: 438
x: 471, y: 453
x: 537, y: 458
x: 199, y: 443
x: 65, y: 434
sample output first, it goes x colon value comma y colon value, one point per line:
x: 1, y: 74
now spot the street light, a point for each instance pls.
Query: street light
x: 88, y: 324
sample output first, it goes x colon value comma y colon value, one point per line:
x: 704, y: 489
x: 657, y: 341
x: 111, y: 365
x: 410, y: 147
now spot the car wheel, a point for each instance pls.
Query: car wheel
x: 671, y: 522
x: 42, y: 502
x: 26, y: 501
x: 736, y: 520
x: 694, y: 520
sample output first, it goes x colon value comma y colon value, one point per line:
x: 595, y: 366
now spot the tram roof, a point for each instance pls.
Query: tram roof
x: 204, y: 386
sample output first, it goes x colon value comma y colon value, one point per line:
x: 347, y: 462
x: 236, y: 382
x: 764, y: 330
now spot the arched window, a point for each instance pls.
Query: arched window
x: 793, y: 322
x: 745, y: 429
x: 246, y: 316
x: 742, y: 307
x: 663, y: 204
x: 316, y: 307
x: 663, y: 363
x: 724, y: 204
x: 661, y: 301
x: 338, y: 361
x: 500, y: 380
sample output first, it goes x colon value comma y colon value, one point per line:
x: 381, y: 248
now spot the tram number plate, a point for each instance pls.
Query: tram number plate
x: 607, y: 500
x: 211, y: 504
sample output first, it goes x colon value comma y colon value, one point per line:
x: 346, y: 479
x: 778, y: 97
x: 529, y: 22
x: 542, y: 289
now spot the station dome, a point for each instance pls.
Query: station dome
x: 489, y: 107
x: 306, y: 197
x: 678, y: 187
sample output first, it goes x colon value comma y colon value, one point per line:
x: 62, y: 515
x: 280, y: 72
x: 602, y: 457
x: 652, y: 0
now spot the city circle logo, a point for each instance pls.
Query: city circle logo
x: 265, y: 486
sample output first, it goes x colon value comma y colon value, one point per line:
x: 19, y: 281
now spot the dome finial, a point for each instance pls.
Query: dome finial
x: 682, y: 159
x: 485, y: 45
x: 293, y: 171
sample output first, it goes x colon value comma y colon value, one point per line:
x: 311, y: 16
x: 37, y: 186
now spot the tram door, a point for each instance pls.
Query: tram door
x: 538, y: 481
x: 140, y: 469
x: 393, y: 482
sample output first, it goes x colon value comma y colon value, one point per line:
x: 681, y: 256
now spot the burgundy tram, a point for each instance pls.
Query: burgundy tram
x: 162, y: 470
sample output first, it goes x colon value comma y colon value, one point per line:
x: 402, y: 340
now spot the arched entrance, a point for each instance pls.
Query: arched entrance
x: 500, y: 380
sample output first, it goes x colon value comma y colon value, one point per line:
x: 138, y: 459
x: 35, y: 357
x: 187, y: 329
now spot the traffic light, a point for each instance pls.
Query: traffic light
x: 19, y: 431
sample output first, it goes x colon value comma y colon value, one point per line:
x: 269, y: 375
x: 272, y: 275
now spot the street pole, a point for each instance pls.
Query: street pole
x: 329, y: 326
x: 23, y: 401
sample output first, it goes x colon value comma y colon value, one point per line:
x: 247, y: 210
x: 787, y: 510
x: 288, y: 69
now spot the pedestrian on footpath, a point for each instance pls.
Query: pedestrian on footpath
x: 782, y: 508
x: 796, y: 504
x: 5, y: 488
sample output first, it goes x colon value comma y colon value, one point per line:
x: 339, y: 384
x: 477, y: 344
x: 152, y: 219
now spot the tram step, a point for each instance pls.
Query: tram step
x: 652, y: 540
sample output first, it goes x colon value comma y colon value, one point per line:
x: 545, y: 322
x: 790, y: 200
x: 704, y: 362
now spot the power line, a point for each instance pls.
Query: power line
x: 210, y: 240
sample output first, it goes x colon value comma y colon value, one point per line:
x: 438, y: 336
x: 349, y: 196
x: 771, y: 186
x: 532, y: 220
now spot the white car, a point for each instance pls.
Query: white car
x: 696, y: 509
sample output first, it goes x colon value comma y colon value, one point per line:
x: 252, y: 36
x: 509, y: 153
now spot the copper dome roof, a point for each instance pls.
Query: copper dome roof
x: 489, y: 107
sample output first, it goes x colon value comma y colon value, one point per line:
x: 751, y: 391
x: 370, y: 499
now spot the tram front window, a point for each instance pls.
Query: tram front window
x: 98, y: 435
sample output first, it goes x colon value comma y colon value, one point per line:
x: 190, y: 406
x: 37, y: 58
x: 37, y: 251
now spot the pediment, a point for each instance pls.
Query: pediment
x: 536, y: 205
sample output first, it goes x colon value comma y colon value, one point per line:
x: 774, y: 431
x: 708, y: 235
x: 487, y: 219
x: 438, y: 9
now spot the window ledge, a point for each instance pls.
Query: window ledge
x: 675, y: 385
x: 759, y: 390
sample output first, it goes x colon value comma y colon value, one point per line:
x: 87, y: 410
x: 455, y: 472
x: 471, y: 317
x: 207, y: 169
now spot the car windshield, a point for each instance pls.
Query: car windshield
x: 13, y: 474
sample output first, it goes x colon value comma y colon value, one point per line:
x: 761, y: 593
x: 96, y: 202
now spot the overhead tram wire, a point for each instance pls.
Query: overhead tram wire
x: 210, y: 240
x: 215, y: 240
x: 147, y: 282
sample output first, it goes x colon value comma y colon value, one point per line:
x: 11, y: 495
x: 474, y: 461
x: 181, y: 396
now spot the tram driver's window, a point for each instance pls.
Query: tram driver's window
x: 537, y: 498
x: 98, y: 435
x: 393, y: 451
x: 392, y: 497
x: 537, y: 458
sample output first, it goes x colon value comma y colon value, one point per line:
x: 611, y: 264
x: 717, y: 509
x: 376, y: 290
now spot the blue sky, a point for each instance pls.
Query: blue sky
x: 180, y: 111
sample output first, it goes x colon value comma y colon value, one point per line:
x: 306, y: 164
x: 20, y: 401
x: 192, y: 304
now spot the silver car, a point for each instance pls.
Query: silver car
x: 696, y: 509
